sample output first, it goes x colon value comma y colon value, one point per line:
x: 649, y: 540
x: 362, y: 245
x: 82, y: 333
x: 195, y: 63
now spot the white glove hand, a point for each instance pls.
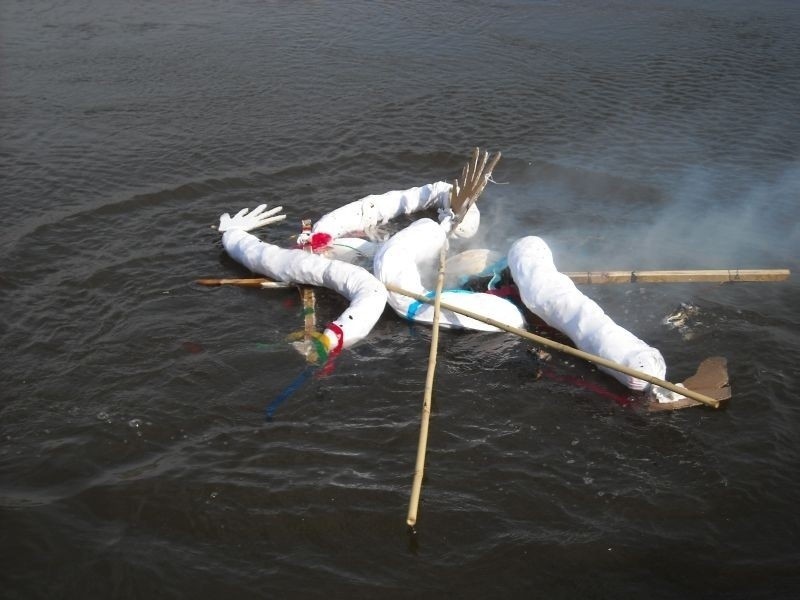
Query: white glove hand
x: 247, y: 221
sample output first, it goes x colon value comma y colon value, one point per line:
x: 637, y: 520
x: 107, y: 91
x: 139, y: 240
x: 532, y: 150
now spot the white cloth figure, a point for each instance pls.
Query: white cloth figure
x: 547, y: 293
x: 553, y: 297
x: 366, y: 294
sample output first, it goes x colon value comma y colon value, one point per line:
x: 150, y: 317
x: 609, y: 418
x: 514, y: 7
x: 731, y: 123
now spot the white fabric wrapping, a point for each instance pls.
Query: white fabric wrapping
x: 379, y: 209
x: 398, y: 262
x: 553, y: 297
x: 366, y: 294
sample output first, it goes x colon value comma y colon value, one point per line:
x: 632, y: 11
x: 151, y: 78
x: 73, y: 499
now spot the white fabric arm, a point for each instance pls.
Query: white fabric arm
x: 379, y: 209
x: 366, y: 294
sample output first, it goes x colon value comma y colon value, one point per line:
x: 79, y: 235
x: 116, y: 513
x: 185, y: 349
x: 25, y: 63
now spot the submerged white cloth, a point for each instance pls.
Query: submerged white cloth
x: 366, y: 294
x: 553, y: 297
x: 399, y: 261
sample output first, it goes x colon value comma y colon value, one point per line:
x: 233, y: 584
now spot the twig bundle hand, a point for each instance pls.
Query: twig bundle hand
x: 474, y: 177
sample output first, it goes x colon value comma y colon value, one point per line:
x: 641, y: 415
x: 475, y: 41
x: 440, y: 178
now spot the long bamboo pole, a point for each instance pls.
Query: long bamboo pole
x: 599, y: 360
x: 685, y: 276
x: 422, y: 445
x: 591, y: 277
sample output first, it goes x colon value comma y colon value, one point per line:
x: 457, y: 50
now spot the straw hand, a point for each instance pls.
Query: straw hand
x: 247, y: 219
x: 474, y: 177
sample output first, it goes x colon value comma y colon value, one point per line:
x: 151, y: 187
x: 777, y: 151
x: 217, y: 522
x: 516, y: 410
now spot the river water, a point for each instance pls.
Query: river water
x: 135, y: 461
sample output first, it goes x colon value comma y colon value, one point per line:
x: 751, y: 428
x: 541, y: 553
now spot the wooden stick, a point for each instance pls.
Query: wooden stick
x: 422, y: 445
x: 253, y: 282
x: 686, y: 276
x: 310, y: 320
x: 599, y: 360
x: 309, y: 307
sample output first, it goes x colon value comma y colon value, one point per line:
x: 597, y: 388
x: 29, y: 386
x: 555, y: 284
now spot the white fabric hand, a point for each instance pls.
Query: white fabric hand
x: 247, y: 221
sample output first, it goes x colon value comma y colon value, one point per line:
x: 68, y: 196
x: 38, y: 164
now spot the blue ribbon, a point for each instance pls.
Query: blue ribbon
x: 415, y: 306
x: 496, y: 269
x: 290, y: 389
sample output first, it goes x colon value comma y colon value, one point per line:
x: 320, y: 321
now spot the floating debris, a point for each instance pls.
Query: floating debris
x: 684, y: 319
x: 541, y: 354
x: 664, y: 396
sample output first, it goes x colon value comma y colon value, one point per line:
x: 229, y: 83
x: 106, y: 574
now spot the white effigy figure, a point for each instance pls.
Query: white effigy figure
x: 548, y: 294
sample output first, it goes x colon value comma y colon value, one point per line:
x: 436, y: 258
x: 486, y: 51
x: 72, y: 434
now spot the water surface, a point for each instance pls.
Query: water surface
x: 134, y: 457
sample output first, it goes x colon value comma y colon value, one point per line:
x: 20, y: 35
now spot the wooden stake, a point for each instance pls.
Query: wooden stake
x: 309, y: 307
x: 599, y: 360
x: 422, y: 445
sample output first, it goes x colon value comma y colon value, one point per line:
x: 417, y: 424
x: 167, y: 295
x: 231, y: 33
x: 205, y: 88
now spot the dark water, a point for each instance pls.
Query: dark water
x: 134, y: 458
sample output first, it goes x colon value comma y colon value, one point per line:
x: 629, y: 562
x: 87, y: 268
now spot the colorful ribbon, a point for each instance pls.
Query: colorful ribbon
x: 325, y: 363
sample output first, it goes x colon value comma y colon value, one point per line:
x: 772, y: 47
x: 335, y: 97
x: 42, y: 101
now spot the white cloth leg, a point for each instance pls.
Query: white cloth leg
x: 553, y: 297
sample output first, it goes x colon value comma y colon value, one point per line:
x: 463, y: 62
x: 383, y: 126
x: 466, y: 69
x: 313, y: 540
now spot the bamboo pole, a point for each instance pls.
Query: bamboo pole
x: 474, y: 180
x: 685, y: 276
x: 422, y: 445
x: 599, y: 360
x: 592, y: 277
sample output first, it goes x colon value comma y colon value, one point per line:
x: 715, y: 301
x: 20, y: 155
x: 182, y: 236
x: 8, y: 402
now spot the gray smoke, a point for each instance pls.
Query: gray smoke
x: 697, y: 221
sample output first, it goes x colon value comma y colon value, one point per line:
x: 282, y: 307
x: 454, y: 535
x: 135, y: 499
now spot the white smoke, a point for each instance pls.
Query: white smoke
x: 597, y: 222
